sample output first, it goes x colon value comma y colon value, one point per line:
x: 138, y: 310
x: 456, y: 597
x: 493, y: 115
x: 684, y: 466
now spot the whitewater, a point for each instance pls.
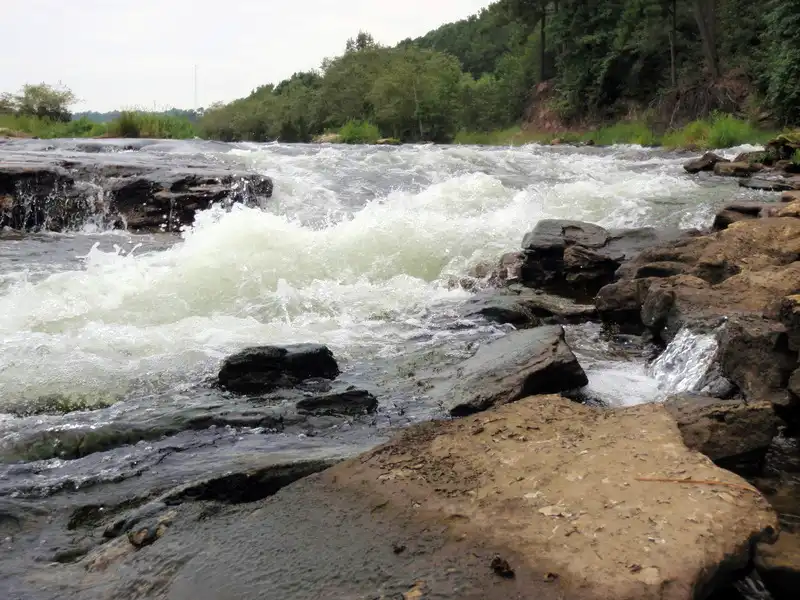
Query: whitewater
x: 360, y: 248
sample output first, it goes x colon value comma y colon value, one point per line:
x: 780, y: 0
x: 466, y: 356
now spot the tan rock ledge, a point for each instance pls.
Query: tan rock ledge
x: 608, y: 504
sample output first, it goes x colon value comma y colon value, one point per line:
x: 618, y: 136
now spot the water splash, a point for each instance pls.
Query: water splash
x: 685, y: 362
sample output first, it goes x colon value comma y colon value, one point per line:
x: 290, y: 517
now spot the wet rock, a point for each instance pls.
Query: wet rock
x: 521, y: 363
x: 779, y: 566
x: 742, y: 211
x: 349, y: 402
x: 740, y: 270
x: 266, y: 368
x: 754, y: 354
x: 766, y: 185
x: 131, y: 519
x: 736, y: 169
x: 146, y: 533
x: 247, y: 485
x: 734, y: 434
x: 704, y: 163
x: 791, y: 196
x: 575, y: 259
x: 42, y: 191
x: 501, y: 307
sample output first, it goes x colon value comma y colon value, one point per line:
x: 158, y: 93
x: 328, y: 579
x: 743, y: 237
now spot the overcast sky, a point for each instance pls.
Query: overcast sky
x: 134, y: 53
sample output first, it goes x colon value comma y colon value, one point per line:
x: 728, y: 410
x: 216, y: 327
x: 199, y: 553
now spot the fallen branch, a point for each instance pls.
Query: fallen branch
x: 737, y: 486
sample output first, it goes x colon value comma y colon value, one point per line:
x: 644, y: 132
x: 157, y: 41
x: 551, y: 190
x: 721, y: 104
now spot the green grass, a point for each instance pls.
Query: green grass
x: 135, y: 124
x: 719, y: 131
x: 359, y: 132
x: 129, y: 124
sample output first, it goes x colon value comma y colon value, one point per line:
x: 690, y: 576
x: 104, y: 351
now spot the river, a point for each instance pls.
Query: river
x: 358, y: 249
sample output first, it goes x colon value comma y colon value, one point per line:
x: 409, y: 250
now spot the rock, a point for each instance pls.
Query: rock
x: 766, y: 185
x: 779, y: 566
x: 742, y: 211
x: 790, y: 210
x: 524, y: 307
x: 736, y: 169
x: 521, y: 363
x: 575, y: 259
x: 131, y: 519
x: 149, y: 532
x: 704, y: 163
x: 41, y: 191
x: 501, y: 307
x: 740, y: 270
x: 734, y: 434
x: 754, y: 354
x: 388, y: 142
x: 328, y: 138
x: 561, y: 484
x: 266, y: 368
x: 790, y: 196
x: 784, y: 146
x: 350, y: 402
x: 789, y: 316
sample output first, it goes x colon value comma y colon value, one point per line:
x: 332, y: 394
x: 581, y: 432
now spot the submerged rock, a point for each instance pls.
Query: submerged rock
x: 535, y: 361
x: 265, y: 368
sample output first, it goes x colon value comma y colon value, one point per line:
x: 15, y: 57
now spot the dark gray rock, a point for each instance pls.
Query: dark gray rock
x: 523, y: 363
x: 132, y: 518
x: 703, y: 163
x: 575, y: 259
x: 42, y: 190
x: 734, y: 434
x: 266, y: 368
x: 766, y: 185
x: 349, y: 402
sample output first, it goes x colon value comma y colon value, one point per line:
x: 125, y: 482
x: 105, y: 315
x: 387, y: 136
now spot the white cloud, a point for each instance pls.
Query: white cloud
x: 134, y: 53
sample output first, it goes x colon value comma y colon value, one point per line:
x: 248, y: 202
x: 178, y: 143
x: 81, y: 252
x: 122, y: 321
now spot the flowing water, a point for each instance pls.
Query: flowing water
x: 357, y: 249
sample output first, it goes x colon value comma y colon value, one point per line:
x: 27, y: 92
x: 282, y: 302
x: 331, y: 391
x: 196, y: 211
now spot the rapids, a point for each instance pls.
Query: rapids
x: 357, y: 249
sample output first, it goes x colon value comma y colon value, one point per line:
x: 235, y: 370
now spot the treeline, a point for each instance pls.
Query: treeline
x: 564, y: 63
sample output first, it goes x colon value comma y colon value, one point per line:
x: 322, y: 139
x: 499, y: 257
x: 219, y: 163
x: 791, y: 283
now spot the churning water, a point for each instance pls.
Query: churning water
x: 357, y: 249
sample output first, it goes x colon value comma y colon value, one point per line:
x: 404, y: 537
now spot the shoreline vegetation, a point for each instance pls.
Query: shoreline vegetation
x: 718, y: 131
x: 693, y: 74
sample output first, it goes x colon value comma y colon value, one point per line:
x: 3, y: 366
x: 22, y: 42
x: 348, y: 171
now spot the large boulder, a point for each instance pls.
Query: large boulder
x: 743, y: 211
x: 535, y: 361
x: 704, y: 163
x: 734, y: 434
x: 575, y: 259
x: 263, y: 369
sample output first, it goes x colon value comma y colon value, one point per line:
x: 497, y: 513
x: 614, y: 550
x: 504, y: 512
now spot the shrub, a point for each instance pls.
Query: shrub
x: 359, y: 132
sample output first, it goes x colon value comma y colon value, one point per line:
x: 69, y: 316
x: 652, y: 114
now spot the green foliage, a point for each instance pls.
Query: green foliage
x: 131, y: 124
x: 39, y: 100
x: 796, y: 158
x: 720, y: 131
x: 783, y: 65
x: 359, y: 132
x: 631, y: 132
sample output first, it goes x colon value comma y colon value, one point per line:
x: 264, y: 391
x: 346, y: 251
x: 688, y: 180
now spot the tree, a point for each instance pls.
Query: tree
x: 363, y: 41
x: 783, y: 67
x: 46, y: 102
x: 705, y: 13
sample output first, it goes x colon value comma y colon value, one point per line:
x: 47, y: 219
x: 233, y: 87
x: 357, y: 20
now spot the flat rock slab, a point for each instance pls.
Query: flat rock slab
x: 559, y: 485
x: 537, y: 499
x: 535, y: 361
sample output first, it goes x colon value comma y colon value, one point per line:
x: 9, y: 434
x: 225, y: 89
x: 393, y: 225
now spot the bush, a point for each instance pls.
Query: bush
x: 359, y: 132
x: 727, y: 131
x: 630, y: 132
x: 132, y: 124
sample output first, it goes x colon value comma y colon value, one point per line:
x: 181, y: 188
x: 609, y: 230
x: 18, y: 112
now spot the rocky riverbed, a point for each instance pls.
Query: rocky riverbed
x: 482, y: 449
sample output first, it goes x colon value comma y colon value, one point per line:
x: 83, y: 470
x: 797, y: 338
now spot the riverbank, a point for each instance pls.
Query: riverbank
x: 721, y: 131
x: 130, y: 124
